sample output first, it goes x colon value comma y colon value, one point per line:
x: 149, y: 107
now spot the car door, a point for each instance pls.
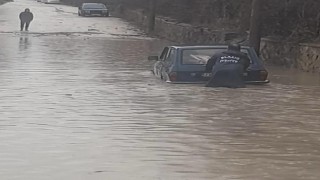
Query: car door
x: 168, y: 63
x: 158, y: 66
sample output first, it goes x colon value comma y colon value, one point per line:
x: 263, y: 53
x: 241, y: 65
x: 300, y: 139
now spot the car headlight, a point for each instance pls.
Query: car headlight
x: 86, y: 11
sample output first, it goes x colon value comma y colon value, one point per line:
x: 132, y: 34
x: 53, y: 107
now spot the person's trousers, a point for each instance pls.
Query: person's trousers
x: 22, y: 25
x: 230, y: 76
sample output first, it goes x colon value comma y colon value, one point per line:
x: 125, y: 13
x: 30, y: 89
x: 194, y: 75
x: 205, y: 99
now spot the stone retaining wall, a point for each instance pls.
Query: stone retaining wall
x: 309, y: 57
x: 304, y: 56
x: 279, y: 53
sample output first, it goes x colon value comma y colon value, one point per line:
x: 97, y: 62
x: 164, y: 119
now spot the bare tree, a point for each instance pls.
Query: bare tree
x: 152, y: 15
x: 255, y: 25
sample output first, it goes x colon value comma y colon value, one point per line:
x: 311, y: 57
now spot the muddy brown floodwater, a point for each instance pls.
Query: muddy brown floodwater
x: 76, y: 107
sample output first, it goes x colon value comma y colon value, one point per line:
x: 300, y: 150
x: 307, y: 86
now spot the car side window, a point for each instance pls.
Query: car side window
x: 164, y: 53
x: 247, y: 53
x: 170, y: 56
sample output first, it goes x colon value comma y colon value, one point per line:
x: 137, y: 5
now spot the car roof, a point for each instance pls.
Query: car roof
x: 205, y: 47
x: 252, y: 53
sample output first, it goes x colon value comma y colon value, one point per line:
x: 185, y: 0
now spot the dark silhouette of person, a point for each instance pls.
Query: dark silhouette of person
x: 228, y: 68
x: 25, y: 18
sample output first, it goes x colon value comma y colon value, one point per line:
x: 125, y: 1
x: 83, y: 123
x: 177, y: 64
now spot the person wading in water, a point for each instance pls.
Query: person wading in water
x: 228, y: 68
x: 25, y: 18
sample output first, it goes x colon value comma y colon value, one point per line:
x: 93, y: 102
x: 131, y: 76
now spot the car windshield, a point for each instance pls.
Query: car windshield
x: 201, y: 56
x: 94, y: 6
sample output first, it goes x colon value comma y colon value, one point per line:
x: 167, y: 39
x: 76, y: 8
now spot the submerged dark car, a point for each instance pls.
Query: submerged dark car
x: 186, y: 64
x: 93, y: 9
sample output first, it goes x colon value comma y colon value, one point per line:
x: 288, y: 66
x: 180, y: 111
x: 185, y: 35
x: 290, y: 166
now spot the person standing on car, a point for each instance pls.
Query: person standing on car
x: 25, y: 18
x: 228, y: 68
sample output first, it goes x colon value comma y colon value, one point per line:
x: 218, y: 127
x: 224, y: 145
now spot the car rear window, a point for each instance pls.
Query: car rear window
x: 201, y: 56
x: 94, y: 6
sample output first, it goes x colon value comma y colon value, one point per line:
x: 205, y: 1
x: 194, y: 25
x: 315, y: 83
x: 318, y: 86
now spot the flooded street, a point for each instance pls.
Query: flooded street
x: 78, y: 102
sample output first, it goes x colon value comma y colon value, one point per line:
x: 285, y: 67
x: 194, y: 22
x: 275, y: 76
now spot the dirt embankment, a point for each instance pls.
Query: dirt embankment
x: 5, y: 1
x: 291, y: 28
x: 293, y: 20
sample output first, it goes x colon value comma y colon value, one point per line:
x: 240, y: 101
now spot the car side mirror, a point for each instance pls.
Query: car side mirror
x: 153, y: 58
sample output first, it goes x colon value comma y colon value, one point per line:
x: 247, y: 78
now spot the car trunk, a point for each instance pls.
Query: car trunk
x: 256, y: 75
x: 192, y: 73
x: 196, y: 73
x: 95, y: 11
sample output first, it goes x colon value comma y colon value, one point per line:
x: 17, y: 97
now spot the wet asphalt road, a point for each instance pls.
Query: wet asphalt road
x: 78, y: 102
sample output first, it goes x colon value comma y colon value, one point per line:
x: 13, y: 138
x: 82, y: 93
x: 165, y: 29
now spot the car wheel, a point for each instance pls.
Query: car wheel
x: 107, y: 15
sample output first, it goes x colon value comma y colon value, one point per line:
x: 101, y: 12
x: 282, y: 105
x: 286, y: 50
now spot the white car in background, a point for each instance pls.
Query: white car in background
x: 51, y: 1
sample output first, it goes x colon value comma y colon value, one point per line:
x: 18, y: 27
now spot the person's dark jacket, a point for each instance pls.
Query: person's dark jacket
x: 26, y: 17
x: 227, y: 69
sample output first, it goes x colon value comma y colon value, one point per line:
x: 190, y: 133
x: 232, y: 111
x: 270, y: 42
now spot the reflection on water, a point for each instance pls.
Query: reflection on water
x: 294, y: 77
x: 90, y: 109
x: 24, y: 43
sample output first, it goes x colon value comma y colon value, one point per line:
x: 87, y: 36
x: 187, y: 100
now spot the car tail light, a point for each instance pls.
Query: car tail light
x: 263, y: 75
x: 173, y: 76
